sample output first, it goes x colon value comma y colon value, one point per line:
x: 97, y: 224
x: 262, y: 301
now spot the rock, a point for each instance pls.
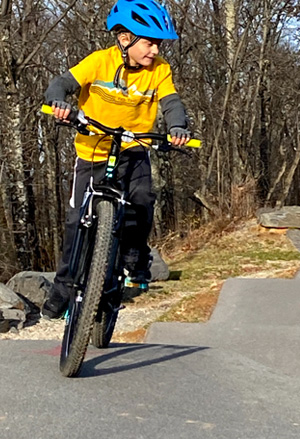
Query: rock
x: 286, y: 217
x: 33, y: 285
x: 9, y: 299
x: 14, y: 330
x: 4, y: 324
x: 15, y: 317
x: 159, y: 269
x: 12, y: 308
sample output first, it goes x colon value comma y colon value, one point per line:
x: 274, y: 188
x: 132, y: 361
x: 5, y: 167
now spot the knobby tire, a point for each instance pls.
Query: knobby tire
x: 107, y: 314
x: 72, y: 356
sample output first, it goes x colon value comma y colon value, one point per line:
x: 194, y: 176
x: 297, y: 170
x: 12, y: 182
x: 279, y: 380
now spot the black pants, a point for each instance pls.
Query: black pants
x: 134, y: 177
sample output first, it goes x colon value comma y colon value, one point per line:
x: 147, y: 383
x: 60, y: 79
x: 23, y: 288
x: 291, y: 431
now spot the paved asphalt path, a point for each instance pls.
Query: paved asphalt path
x: 235, y: 377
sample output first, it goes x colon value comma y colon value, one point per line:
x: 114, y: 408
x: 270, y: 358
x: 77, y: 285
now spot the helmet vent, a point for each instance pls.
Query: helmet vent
x: 142, y: 6
x: 156, y: 22
x: 139, y: 19
x: 116, y: 9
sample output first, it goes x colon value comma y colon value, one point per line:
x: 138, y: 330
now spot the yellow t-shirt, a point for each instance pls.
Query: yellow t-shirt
x: 132, y: 106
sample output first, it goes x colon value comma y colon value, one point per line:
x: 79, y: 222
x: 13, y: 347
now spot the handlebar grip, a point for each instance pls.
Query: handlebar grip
x: 46, y: 109
x: 193, y: 143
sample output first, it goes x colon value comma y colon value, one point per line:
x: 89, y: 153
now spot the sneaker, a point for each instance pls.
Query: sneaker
x: 135, y: 284
x: 55, y: 306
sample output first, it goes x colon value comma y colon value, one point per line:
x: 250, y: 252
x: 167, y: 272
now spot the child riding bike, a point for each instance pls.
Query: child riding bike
x: 119, y: 86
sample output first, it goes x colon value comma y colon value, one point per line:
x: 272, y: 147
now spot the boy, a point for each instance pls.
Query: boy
x: 120, y: 86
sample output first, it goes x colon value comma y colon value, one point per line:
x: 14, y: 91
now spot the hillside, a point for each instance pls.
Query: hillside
x: 199, y: 265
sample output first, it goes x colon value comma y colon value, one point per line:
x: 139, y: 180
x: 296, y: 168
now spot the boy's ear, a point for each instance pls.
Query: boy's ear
x: 124, y: 38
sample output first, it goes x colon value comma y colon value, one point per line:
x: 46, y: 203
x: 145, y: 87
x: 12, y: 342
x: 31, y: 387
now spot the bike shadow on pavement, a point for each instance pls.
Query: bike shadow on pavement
x: 127, y: 357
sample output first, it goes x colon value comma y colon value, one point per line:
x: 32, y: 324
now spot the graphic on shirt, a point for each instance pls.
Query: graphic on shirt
x: 132, y: 96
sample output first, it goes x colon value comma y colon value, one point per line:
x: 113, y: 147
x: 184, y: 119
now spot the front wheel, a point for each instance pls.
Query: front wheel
x: 110, y: 302
x: 83, y: 308
x: 106, y: 319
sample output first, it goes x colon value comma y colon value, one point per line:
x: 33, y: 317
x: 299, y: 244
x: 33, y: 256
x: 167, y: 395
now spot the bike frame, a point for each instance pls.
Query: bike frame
x: 105, y: 190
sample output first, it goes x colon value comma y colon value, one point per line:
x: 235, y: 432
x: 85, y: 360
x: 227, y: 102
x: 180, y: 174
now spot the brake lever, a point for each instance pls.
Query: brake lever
x: 63, y: 123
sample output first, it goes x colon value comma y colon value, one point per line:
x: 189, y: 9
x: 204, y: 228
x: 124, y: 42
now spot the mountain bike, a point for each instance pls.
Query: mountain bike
x: 96, y: 263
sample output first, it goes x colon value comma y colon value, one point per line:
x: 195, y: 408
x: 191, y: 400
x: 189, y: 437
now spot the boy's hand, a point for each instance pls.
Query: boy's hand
x: 61, y: 110
x: 180, y: 136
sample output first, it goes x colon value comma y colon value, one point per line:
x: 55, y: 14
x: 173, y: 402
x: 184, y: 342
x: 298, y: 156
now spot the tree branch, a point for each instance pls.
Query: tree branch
x: 22, y: 65
x: 5, y: 6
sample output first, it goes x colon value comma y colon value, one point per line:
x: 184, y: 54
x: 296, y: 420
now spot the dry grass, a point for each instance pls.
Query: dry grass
x: 209, y: 256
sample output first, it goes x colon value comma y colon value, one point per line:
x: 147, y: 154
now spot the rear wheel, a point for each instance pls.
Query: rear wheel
x: 83, y: 307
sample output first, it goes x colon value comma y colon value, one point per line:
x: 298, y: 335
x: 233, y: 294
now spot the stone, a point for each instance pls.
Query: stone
x: 9, y: 299
x: 14, y: 330
x: 14, y: 317
x: 13, y: 309
x: 159, y: 269
x: 33, y: 285
x: 285, y: 217
x: 4, y: 324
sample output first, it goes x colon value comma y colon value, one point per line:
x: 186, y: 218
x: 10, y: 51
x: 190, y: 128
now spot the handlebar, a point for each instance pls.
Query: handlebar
x: 89, y: 126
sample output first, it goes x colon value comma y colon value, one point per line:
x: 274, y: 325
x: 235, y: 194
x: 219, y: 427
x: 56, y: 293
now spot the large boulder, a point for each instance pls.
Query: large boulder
x: 285, y: 217
x: 33, y: 285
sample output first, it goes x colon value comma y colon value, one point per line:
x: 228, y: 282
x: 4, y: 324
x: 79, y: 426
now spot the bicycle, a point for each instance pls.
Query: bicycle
x: 95, y: 263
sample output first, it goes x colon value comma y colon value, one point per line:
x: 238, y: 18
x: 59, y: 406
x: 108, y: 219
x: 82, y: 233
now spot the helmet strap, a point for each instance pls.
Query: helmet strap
x: 124, y: 51
x: 126, y: 65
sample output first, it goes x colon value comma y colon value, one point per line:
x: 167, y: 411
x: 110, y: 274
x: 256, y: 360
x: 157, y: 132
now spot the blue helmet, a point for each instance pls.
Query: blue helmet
x: 144, y: 18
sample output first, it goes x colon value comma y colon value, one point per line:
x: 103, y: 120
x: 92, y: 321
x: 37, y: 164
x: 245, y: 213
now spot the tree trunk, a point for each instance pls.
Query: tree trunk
x: 15, y: 187
x: 264, y: 96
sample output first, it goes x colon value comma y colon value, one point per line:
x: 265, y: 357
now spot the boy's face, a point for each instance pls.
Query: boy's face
x: 143, y: 52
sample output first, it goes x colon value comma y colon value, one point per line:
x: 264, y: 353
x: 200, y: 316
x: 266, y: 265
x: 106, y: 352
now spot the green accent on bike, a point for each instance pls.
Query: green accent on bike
x: 109, y: 172
x: 129, y: 284
x: 112, y: 161
x: 66, y: 316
